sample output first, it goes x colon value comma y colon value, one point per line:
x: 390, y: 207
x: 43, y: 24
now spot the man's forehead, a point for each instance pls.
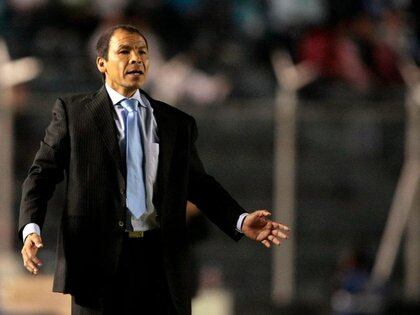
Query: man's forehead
x: 124, y: 38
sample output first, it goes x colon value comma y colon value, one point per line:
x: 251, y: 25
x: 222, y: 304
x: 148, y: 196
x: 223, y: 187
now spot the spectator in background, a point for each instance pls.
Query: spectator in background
x: 353, y: 295
x: 351, y: 51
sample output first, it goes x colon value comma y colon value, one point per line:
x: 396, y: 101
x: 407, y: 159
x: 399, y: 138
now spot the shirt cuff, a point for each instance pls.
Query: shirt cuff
x: 29, y: 229
x: 240, y: 222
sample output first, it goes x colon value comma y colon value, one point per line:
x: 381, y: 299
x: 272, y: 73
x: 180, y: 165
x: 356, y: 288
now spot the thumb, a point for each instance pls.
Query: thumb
x: 263, y: 213
x: 37, y: 240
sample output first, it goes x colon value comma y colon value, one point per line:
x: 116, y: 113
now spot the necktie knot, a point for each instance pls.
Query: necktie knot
x: 130, y: 104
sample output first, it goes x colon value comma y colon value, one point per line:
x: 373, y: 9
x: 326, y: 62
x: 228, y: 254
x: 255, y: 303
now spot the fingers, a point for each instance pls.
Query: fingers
x: 284, y: 227
x: 32, y: 243
x: 31, y: 266
x: 271, y: 240
x: 266, y: 243
x: 30, y: 261
x: 265, y: 232
x: 280, y: 234
x: 275, y: 237
x: 280, y: 226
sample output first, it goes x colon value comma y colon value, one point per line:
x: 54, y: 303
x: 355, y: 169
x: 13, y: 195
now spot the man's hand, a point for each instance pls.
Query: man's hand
x: 257, y: 227
x: 33, y: 242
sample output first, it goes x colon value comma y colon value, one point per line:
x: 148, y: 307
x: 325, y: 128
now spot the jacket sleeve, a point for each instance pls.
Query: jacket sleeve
x: 47, y: 170
x: 210, y: 197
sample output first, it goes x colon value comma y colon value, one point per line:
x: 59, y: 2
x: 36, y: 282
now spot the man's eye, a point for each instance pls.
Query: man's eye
x: 123, y: 51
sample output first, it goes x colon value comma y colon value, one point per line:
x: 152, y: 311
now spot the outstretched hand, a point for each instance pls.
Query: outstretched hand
x: 258, y: 227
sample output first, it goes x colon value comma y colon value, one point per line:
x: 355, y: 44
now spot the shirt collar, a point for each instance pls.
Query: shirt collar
x: 116, y: 97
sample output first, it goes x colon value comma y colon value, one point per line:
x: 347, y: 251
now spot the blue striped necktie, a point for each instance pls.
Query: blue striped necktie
x: 136, y: 194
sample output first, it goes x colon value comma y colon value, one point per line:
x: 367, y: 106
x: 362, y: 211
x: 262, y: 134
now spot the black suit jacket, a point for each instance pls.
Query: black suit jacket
x: 80, y: 146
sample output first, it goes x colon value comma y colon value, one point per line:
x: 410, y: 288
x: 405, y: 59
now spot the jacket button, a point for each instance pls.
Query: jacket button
x: 121, y: 223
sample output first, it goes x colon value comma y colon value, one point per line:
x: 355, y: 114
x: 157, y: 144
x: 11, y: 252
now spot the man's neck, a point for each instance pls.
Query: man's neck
x: 125, y: 93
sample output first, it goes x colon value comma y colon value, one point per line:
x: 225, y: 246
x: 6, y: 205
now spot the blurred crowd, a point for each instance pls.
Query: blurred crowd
x: 205, y: 50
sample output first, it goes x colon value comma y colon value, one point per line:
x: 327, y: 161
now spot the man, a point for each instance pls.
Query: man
x: 130, y: 166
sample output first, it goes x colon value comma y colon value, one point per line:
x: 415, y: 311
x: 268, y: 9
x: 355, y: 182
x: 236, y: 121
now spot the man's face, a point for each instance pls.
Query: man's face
x: 128, y: 62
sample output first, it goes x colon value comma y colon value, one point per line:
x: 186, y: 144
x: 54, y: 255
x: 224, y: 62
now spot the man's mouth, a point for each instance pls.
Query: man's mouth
x: 135, y: 72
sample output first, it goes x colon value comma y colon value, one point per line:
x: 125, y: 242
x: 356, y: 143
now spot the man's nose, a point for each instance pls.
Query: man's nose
x: 135, y: 57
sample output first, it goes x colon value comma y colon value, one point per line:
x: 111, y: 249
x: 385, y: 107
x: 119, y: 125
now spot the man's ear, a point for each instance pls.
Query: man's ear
x: 101, y: 64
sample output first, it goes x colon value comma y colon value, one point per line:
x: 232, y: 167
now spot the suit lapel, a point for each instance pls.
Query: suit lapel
x: 166, y: 130
x: 100, y: 107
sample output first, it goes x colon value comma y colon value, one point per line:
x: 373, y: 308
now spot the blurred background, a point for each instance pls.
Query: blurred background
x: 302, y: 107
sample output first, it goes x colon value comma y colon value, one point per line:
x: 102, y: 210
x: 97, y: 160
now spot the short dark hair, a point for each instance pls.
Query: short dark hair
x: 102, y: 46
